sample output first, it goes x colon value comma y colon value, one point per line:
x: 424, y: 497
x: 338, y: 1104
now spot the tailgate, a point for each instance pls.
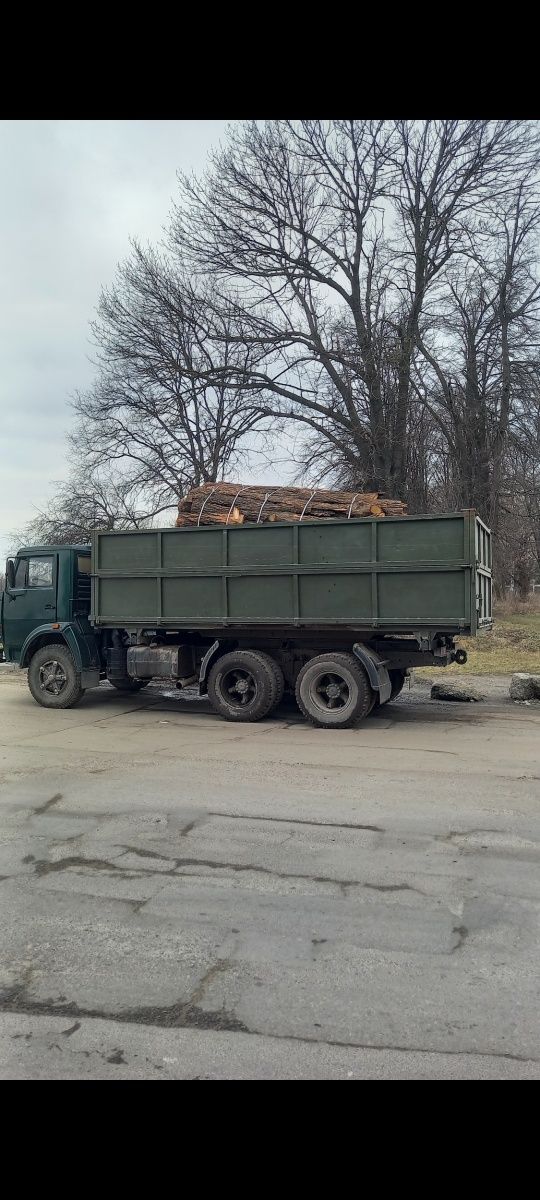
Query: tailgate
x: 483, y: 585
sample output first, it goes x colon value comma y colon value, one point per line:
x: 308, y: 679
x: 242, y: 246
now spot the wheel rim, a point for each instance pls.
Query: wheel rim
x: 239, y: 687
x: 52, y: 677
x: 329, y: 691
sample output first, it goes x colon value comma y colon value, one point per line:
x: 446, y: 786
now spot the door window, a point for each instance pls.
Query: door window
x: 20, y: 574
x: 40, y: 572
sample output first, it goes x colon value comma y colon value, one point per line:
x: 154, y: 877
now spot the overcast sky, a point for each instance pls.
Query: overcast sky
x: 73, y: 193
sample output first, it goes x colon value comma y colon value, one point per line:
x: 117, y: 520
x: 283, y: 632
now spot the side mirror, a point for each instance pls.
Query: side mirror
x: 10, y: 573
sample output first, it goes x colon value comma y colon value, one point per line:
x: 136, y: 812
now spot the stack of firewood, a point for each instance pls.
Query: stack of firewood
x: 233, y: 504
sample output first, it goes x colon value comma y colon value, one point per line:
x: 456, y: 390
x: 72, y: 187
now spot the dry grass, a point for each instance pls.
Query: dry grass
x: 510, y: 606
x: 513, y: 644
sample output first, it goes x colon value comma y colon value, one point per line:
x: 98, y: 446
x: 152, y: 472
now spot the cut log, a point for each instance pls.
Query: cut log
x: 237, y: 504
x: 214, y: 518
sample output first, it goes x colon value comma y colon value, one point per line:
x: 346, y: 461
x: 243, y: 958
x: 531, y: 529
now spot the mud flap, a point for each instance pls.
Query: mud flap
x: 207, y: 661
x: 89, y: 678
x: 376, y: 669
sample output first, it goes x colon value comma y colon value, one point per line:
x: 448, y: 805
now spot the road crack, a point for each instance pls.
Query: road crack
x: 183, y: 1016
x: 48, y: 804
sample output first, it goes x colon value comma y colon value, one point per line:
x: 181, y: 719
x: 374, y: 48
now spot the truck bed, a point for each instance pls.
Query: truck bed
x: 392, y: 575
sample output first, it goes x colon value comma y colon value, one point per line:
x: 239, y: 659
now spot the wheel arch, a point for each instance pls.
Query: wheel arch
x: 66, y: 635
x: 43, y: 636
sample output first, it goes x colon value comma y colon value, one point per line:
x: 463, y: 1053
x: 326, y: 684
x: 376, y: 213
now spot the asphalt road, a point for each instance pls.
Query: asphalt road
x: 185, y: 898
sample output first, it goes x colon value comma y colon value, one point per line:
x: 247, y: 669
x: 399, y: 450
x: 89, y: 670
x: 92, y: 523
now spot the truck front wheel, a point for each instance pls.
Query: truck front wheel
x: 53, y: 678
x: 332, y: 690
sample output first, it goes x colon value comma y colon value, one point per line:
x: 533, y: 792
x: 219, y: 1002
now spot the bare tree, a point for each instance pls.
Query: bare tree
x: 161, y: 408
x: 479, y: 353
x: 370, y: 287
x: 332, y: 237
x: 86, y: 502
x: 523, y: 466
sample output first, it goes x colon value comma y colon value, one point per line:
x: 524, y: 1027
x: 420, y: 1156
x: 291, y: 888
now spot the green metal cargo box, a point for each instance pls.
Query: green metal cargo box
x: 395, y: 575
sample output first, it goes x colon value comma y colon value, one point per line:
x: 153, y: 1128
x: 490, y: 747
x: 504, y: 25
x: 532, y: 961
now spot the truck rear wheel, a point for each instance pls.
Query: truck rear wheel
x: 243, y: 685
x: 278, y: 675
x: 333, y: 691
x: 53, y: 678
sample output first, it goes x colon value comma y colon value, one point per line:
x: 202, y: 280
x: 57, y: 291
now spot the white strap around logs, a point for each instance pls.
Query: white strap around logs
x: 351, y: 504
x: 267, y: 497
x: 210, y: 494
x: 239, y: 492
x: 307, y: 503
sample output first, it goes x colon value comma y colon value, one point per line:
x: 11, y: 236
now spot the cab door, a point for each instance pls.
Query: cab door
x: 31, y: 602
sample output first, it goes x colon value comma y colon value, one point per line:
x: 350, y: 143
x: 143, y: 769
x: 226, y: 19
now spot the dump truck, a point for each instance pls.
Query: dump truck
x: 336, y: 612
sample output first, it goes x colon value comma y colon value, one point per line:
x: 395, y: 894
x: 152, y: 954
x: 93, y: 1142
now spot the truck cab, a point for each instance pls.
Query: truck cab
x: 46, y: 587
x: 44, y: 619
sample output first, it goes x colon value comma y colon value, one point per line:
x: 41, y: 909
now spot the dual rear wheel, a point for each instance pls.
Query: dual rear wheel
x: 332, y: 690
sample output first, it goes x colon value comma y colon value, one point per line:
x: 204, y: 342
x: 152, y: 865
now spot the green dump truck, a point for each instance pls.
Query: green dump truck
x: 334, y: 611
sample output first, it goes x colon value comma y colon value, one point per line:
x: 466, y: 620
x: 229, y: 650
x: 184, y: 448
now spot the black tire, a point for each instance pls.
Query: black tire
x: 333, y: 691
x: 279, y: 677
x: 129, y: 685
x: 53, y: 678
x: 243, y: 685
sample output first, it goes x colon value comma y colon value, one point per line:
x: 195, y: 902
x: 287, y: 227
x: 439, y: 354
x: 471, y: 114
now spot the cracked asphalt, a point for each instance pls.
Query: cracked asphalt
x: 186, y: 898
